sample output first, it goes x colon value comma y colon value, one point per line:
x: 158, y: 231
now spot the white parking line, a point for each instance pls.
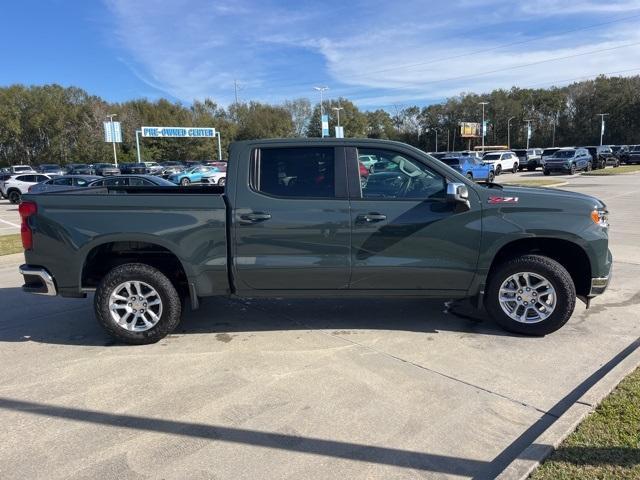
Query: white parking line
x: 10, y: 223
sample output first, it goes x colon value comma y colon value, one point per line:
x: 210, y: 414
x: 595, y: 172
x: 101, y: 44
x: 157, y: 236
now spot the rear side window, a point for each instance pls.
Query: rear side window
x: 296, y: 172
x: 26, y: 178
x: 62, y: 181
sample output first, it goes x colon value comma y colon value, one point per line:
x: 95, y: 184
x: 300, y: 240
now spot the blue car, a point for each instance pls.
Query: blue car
x: 472, y: 167
x: 193, y: 175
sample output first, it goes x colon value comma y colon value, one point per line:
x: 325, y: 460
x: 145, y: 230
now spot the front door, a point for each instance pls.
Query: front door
x: 292, y: 226
x: 406, y: 236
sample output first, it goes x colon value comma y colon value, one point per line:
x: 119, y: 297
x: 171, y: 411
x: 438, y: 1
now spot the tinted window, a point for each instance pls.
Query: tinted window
x: 26, y: 178
x: 116, y: 182
x: 138, y: 182
x: 80, y: 182
x: 297, y: 172
x: 41, y: 178
x: 402, y: 178
x: 99, y: 183
x: 62, y: 181
x: 453, y: 162
x: 492, y: 156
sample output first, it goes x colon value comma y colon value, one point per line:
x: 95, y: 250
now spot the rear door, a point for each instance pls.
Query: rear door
x: 406, y: 236
x: 292, y: 223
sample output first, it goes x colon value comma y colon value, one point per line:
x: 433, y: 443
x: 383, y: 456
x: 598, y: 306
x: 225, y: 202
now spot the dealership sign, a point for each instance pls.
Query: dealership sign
x: 178, y: 132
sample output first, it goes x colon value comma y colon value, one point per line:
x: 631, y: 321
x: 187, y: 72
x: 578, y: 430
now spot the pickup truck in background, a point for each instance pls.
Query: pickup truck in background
x: 297, y: 219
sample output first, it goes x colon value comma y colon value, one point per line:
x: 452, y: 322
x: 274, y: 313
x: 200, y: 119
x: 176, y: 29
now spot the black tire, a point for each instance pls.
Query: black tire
x: 546, y: 172
x: 555, y: 273
x: 185, y: 182
x: 572, y: 169
x: 491, y: 177
x: 223, y: 181
x: 589, y: 167
x: 470, y: 176
x: 616, y: 164
x: 515, y: 168
x: 171, y: 304
x: 498, y: 170
x: 14, y: 197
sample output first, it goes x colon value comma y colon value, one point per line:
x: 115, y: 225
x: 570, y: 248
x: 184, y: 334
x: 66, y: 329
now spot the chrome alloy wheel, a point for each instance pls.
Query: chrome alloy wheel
x: 527, y: 297
x: 135, y: 306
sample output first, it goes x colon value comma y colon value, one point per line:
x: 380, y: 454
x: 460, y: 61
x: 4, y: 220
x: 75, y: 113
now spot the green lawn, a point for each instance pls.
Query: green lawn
x: 615, y: 171
x: 606, y: 445
x: 535, y: 182
x: 10, y: 244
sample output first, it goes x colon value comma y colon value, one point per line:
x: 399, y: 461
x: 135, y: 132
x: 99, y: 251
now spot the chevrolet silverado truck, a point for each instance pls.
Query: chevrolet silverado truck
x: 296, y: 219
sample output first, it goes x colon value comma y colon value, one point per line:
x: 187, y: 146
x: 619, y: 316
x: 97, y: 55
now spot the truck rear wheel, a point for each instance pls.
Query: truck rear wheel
x: 137, y: 304
x: 531, y: 294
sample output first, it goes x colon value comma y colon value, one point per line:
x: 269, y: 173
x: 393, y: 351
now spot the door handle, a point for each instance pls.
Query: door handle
x: 371, y: 218
x: 250, y: 218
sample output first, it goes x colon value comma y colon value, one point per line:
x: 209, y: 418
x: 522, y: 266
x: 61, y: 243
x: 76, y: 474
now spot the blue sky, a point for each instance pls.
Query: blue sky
x: 375, y: 52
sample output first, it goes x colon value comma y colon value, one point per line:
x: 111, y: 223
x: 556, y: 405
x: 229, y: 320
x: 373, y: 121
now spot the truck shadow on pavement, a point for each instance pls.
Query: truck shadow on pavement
x: 72, y: 321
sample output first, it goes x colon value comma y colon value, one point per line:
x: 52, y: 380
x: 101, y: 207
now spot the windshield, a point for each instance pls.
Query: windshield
x: 21, y: 169
x: 549, y: 151
x: 452, y: 161
x: 49, y: 168
x: 564, y: 154
x: 636, y: 148
x: 491, y: 156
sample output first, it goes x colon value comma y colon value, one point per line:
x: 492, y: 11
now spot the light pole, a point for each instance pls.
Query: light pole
x: 602, y: 115
x: 509, y: 132
x: 138, y: 132
x: 337, y: 109
x: 113, y: 135
x: 483, y: 125
x: 436, y: 131
x: 321, y: 89
x: 555, y: 123
x: 528, y: 132
x: 219, y: 145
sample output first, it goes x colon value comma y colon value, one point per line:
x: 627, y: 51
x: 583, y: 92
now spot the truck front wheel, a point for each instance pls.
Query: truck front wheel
x: 531, y: 294
x: 137, y: 304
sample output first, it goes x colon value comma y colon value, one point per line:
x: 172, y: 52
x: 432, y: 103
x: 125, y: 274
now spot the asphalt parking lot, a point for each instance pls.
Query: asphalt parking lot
x: 301, y: 389
x: 9, y: 218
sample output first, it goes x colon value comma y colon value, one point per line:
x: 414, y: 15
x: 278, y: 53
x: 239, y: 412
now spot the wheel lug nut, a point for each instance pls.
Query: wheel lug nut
x: 528, y: 289
x: 134, y: 310
x: 144, y: 304
x: 129, y: 304
x: 519, y: 298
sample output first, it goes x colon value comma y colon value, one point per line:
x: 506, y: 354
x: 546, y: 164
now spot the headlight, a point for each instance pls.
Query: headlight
x: 600, y: 216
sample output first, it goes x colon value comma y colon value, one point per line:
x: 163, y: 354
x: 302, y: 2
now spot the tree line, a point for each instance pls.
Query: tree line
x: 54, y: 124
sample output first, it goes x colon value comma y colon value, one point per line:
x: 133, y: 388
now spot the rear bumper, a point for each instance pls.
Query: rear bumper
x: 38, y: 280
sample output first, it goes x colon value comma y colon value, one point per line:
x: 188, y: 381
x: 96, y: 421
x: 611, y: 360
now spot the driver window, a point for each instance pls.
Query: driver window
x: 385, y: 174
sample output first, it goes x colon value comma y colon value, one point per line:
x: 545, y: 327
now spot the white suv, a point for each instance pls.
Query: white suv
x: 502, y: 161
x: 15, y: 186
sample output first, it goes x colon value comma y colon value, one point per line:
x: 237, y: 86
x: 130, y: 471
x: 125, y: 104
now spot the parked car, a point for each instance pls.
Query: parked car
x: 471, y: 167
x: 15, y: 169
x: 296, y: 222
x: 131, y: 181
x: 607, y: 157
x: 193, y: 175
x: 630, y: 154
x: 529, y: 159
x: 616, y: 150
x: 4, y: 175
x: 64, y: 182
x: 154, y: 168
x: 547, y: 153
x: 133, y: 169
x: 569, y: 160
x: 51, y: 169
x: 502, y: 161
x: 80, y: 169
x: 219, y: 177
x: 188, y: 164
x: 17, y: 185
x: 106, y: 169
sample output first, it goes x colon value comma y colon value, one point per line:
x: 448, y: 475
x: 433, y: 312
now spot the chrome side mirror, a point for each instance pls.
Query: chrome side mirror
x: 458, y: 193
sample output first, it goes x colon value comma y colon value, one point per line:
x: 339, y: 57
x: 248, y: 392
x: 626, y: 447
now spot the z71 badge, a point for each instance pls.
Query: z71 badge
x: 494, y: 200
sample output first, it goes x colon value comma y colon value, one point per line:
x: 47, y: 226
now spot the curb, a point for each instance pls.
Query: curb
x: 532, y: 456
x: 559, y: 184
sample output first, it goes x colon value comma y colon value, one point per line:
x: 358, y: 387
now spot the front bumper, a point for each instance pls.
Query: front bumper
x: 599, y: 284
x: 38, y: 280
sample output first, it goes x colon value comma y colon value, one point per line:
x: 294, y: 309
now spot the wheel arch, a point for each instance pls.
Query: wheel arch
x: 567, y: 253
x: 101, y: 257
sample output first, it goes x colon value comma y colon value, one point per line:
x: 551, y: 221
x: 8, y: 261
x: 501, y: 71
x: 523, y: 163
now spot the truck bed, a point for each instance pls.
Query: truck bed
x: 78, y: 224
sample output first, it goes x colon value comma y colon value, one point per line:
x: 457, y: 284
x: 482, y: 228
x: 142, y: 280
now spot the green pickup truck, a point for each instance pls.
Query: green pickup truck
x: 305, y: 217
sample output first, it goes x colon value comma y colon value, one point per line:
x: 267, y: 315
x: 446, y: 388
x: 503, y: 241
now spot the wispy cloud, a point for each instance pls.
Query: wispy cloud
x: 377, y: 53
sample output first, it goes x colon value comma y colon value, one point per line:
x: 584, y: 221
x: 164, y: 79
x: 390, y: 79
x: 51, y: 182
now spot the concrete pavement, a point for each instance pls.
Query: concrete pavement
x: 302, y: 389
